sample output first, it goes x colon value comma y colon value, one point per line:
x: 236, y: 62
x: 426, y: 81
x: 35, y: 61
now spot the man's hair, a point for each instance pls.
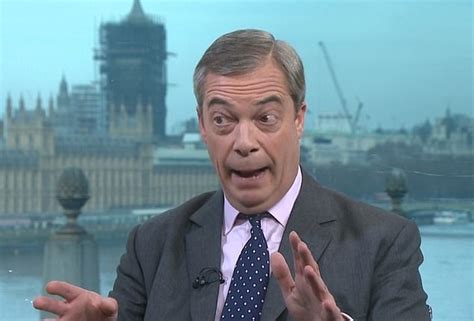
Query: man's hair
x: 242, y: 51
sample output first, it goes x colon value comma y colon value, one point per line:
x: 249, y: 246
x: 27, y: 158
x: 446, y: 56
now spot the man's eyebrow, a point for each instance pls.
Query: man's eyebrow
x: 270, y: 99
x: 218, y: 101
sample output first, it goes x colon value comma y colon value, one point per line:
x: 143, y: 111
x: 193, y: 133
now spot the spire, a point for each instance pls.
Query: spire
x: 62, y: 99
x: 63, y: 86
x: 137, y: 14
x: 39, y: 107
x: 149, y: 118
x: 9, y: 105
x: 38, y: 103
x: 22, y: 104
x: 448, y: 112
x: 51, y: 105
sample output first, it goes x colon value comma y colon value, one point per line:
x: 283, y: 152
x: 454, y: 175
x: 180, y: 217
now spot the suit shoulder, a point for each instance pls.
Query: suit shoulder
x: 175, y: 219
x: 183, y: 211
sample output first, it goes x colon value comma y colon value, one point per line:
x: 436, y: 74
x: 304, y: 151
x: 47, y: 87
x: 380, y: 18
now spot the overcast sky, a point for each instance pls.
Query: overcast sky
x: 407, y: 61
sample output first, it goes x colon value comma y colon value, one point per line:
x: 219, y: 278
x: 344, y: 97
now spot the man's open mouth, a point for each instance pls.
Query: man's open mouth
x: 250, y: 173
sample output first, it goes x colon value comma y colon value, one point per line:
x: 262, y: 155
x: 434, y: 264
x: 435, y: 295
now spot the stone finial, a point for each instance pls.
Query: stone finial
x: 396, y: 188
x: 72, y: 193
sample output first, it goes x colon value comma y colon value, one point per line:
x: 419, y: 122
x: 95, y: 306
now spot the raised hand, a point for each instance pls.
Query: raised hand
x: 306, y: 296
x: 79, y: 304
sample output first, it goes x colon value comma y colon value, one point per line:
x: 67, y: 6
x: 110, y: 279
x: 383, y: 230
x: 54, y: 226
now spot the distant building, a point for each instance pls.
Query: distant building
x: 345, y: 148
x: 122, y: 173
x: 87, y: 107
x: 332, y: 143
x: 137, y: 126
x: 184, y: 171
x: 62, y: 116
x: 109, y: 132
x: 132, y: 59
x: 452, y: 134
x: 28, y: 130
x: 82, y: 111
x: 334, y: 123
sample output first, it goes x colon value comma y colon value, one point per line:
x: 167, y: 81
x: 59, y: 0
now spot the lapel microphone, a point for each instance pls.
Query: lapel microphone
x: 207, y: 276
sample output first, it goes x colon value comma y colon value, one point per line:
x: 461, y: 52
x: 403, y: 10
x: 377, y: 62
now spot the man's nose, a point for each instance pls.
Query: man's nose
x: 245, y: 141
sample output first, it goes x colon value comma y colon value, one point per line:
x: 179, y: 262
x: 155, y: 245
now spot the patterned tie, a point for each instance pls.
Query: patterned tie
x: 250, y: 278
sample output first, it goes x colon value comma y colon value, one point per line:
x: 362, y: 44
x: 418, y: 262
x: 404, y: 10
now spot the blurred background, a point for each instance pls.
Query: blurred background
x: 105, y: 87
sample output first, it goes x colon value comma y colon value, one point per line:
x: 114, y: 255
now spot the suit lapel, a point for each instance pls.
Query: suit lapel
x: 313, y: 223
x: 203, y: 249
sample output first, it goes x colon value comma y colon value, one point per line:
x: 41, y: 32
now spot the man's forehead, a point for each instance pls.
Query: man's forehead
x: 222, y: 101
x: 258, y: 84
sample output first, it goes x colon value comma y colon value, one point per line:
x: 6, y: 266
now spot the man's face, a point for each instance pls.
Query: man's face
x: 252, y: 134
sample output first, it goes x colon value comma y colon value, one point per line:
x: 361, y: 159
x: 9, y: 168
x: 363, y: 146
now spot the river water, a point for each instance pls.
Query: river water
x: 447, y: 274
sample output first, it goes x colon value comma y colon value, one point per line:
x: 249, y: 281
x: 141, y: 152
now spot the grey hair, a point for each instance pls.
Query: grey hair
x: 242, y: 51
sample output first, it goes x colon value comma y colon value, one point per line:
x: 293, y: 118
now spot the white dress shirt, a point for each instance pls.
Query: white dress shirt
x: 236, y: 232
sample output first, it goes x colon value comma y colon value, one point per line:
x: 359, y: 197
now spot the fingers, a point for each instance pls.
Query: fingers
x: 64, y: 289
x: 302, y: 255
x: 79, y: 303
x: 295, y: 241
x: 50, y: 305
x: 282, y: 273
x: 307, y: 257
x: 322, y: 293
x: 307, y: 267
x: 316, y: 283
x: 309, y: 293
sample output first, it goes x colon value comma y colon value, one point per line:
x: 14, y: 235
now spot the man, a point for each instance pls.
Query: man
x: 355, y: 261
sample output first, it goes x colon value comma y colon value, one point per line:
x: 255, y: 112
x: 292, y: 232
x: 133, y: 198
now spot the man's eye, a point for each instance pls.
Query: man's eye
x: 268, y: 119
x: 219, y: 120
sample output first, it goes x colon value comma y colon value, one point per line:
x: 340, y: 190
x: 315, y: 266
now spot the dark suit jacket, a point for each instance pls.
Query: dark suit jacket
x: 368, y: 258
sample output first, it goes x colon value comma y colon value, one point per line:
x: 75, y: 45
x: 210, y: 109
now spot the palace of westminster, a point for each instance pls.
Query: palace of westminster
x: 122, y: 148
x: 115, y: 132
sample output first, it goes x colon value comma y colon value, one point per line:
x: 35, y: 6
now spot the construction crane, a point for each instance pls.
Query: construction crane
x: 352, y: 121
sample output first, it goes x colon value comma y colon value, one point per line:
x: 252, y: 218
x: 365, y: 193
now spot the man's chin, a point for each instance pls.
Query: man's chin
x: 249, y: 202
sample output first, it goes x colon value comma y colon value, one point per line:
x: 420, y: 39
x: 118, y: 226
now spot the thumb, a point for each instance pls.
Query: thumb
x: 108, y: 306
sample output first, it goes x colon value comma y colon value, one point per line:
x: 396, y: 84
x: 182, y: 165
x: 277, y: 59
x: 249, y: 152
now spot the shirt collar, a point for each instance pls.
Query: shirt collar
x: 280, y: 211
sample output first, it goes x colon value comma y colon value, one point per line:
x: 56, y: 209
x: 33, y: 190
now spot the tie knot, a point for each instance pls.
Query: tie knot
x: 256, y: 221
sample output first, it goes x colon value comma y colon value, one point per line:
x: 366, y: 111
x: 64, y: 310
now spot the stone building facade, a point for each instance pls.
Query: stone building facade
x: 123, y: 172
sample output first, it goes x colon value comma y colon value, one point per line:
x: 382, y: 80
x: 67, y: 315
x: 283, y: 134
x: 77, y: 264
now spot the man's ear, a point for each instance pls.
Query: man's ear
x: 299, y: 119
x: 202, y: 129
